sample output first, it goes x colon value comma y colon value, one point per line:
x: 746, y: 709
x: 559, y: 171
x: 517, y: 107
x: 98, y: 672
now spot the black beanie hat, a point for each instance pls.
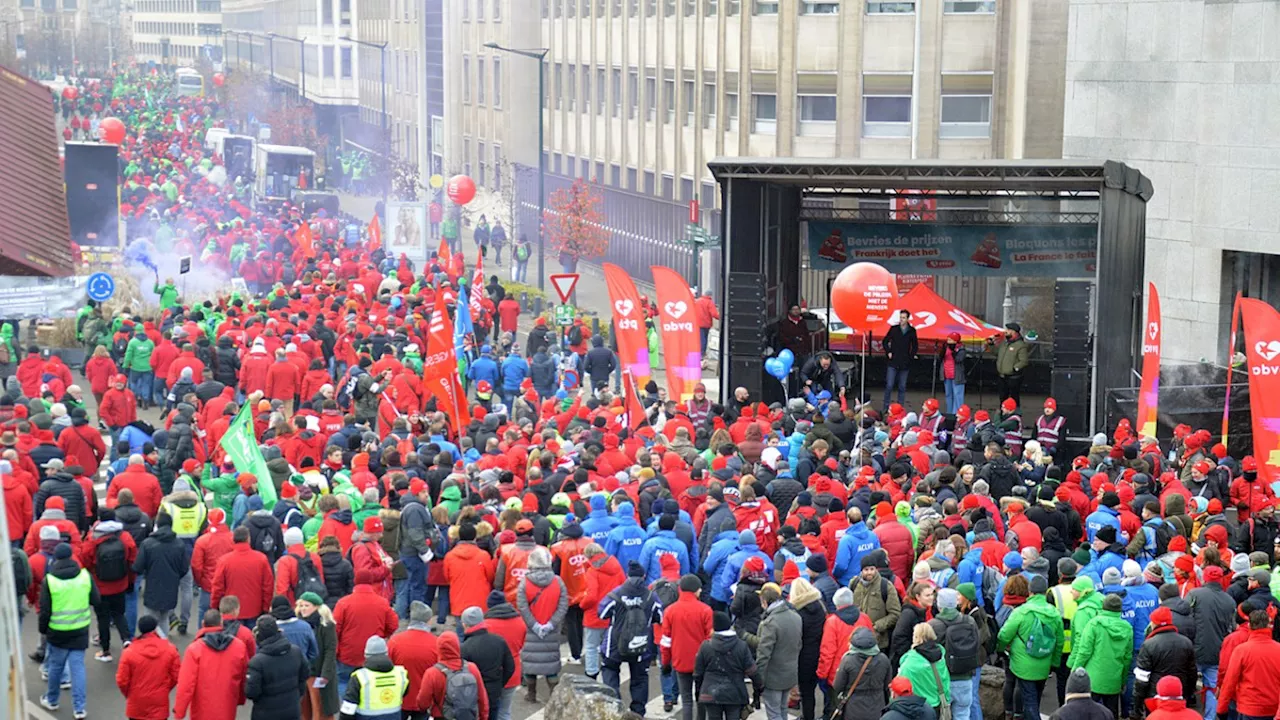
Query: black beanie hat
x: 690, y: 583
x: 720, y: 621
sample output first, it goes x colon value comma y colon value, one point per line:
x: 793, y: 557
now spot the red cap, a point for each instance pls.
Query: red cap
x: 1219, y: 450
x: 1217, y: 533
x: 217, y: 516
x: 790, y: 572
x: 190, y: 466
x: 1178, y: 544
x: 56, y: 503
x: 953, y: 337
x: 484, y: 386
x: 1203, y: 467
x: 372, y: 525
x: 970, y: 502
x: 900, y: 686
x: 524, y: 527
x: 1212, y: 574
x: 1050, y: 404
x: 1249, y: 464
x: 416, y: 486
x: 755, y: 563
x: 964, y: 412
x: 1008, y: 405
x: 1170, y: 686
x: 1187, y: 565
x: 288, y: 490
x: 1080, y: 462
x: 931, y: 405
x: 1161, y: 616
x: 982, y: 416
x: 247, y: 480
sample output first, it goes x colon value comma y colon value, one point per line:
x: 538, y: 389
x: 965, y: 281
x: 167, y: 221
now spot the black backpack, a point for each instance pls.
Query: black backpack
x: 961, y: 641
x: 461, y: 693
x: 308, y: 578
x: 575, y: 335
x: 633, y: 628
x: 109, y: 559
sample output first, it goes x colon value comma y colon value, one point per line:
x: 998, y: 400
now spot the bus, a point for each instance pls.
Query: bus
x: 279, y: 170
x: 190, y: 82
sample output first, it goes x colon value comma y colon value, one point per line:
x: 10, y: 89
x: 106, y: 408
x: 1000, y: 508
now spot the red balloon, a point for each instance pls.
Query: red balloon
x: 864, y: 297
x: 111, y: 130
x: 461, y: 189
x: 218, y: 79
x: 70, y: 93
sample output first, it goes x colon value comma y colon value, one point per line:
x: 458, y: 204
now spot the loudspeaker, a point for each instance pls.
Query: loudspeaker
x: 1072, y: 388
x: 744, y: 313
x: 91, y: 172
x: 1072, y: 341
x: 237, y: 158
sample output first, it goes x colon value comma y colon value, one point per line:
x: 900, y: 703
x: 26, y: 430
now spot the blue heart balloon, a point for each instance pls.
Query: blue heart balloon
x: 774, y: 367
x: 788, y: 359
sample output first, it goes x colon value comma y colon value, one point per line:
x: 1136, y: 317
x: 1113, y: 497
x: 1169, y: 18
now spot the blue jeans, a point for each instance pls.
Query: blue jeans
x: 1209, y: 674
x: 60, y: 660
x: 591, y: 639
x: 955, y: 398
x: 1031, y: 691
x: 131, y: 610
x: 415, y: 582
x: 704, y: 334
x: 203, y: 606
x: 504, y: 703
x: 140, y: 383
x: 159, y: 393
x: 344, y: 677
x: 975, y: 708
x: 670, y: 688
x: 438, y: 599
x: 961, y: 698
x: 895, y: 378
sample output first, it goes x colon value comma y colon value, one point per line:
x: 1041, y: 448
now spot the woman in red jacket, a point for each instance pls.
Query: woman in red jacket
x: 431, y: 695
x: 603, y: 576
x: 99, y: 370
x: 148, y: 671
x: 317, y: 377
x: 119, y: 407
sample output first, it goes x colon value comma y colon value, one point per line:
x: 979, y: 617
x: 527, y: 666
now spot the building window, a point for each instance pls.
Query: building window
x: 327, y: 57
x: 466, y: 79
x: 615, y: 84
x: 690, y: 8
x: 481, y: 78
x: 497, y: 167
x: 480, y: 9
x: 690, y: 88
x: 969, y: 6
x: 482, y: 160
x: 585, y: 74
x: 669, y: 100
x: 886, y: 116
x: 466, y: 156
x: 668, y: 8
x: 877, y: 7
x: 633, y: 92
x: 764, y: 113
x: 708, y: 105
x: 544, y: 9
x: 466, y: 10
x: 731, y: 111
x: 765, y: 7
x: 497, y: 9
x: 650, y: 8
x: 559, y: 87
x: 816, y: 7
x: 817, y: 115
x: 326, y: 12
x: 965, y: 116
x: 497, y: 82
x: 573, y: 87
x: 600, y: 90
x: 346, y: 63
x: 668, y: 186
x: 648, y: 182
x: 633, y: 8
x: 710, y: 7
x: 344, y: 12
x: 651, y: 97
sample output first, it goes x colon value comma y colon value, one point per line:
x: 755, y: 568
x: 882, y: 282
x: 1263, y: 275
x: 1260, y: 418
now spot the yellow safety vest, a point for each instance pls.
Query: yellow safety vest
x: 381, y: 692
x: 1065, y: 601
x: 186, y: 520
x: 70, y: 600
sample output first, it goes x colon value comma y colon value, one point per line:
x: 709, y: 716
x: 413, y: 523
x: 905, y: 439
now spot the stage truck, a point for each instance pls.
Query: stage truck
x: 281, y: 170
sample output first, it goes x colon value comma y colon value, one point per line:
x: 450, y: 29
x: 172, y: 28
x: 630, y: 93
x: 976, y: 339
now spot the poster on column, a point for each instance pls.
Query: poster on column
x: 1057, y: 250
x: 407, y: 231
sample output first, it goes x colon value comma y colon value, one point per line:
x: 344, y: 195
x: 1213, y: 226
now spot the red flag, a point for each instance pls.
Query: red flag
x: 477, y: 287
x: 1262, y: 349
x: 439, y: 359
x: 303, y: 242
x: 443, y: 254
x: 375, y: 234
x: 628, y: 323
x: 1149, y: 393
x: 1231, y: 350
x: 631, y: 404
x: 681, y: 348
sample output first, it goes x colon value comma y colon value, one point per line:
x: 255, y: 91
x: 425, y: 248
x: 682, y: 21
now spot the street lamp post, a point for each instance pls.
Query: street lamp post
x: 386, y: 136
x: 540, y: 55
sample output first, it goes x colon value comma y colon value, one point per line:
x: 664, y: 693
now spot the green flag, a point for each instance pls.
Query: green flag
x: 242, y: 448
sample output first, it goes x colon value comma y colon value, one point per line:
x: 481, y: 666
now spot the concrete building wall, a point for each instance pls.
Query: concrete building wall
x: 1186, y: 92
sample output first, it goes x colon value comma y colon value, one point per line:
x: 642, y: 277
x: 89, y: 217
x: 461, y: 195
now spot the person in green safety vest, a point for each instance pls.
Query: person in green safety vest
x: 67, y: 597
x: 168, y: 293
x: 1063, y: 598
x: 377, y: 689
x: 187, y: 510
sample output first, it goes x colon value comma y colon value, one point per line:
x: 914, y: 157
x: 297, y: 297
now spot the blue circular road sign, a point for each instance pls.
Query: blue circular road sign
x: 100, y: 287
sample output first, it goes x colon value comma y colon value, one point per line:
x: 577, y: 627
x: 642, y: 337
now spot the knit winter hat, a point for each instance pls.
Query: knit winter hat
x: 948, y: 599
x: 1169, y: 688
x: 1078, y: 682
x: 312, y: 598
x: 472, y: 617
x: 375, y: 646
x: 419, y: 612
x: 1112, y: 603
x: 293, y: 536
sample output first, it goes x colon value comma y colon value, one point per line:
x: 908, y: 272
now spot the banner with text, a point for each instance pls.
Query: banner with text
x: 40, y: 298
x: 1058, y: 250
x: 1262, y: 350
x: 628, y: 323
x: 681, y: 349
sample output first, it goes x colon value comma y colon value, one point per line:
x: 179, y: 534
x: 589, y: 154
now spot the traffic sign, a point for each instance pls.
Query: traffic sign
x: 100, y: 287
x: 564, y: 285
x: 184, y: 265
x: 564, y: 315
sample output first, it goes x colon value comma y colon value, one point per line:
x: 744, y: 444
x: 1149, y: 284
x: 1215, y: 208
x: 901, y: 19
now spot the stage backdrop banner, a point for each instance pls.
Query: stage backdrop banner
x: 1058, y: 250
x: 1262, y: 350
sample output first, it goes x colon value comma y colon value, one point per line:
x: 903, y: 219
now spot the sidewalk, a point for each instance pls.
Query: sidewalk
x: 592, y: 291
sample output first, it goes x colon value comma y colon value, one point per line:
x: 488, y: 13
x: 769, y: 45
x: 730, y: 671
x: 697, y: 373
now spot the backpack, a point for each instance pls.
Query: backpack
x: 109, y: 559
x: 633, y: 630
x: 522, y: 252
x: 575, y: 335
x: 436, y: 541
x: 961, y: 641
x: 1040, y: 641
x: 308, y: 578
x: 119, y: 347
x: 346, y: 392
x: 461, y: 693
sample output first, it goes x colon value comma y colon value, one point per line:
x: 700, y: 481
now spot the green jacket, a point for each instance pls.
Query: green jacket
x: 1103, y: 648
x: 1013, y: 636
x: 137, y: 354
x: 10, y: 354
x: 224, y: 489
x: 915, y: 667
x: 1012, y: 357
x: 168, y: 295
x: 1087, y: 608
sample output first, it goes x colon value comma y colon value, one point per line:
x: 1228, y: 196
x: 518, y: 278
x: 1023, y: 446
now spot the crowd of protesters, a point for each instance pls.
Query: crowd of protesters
x: 401, y: 555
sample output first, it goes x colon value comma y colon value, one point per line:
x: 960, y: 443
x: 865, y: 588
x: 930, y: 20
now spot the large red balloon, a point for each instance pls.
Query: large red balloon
x: 218, y: 79
x: 70, y: 93
x: 461, y: 189
x: 864, y: 297
x: 111, y: 130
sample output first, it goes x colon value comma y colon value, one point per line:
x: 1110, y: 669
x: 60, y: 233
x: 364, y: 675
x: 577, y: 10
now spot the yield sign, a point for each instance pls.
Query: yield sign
x: 564, y: 285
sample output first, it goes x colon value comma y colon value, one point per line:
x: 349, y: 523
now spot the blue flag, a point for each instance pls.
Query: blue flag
x: 464, y: 331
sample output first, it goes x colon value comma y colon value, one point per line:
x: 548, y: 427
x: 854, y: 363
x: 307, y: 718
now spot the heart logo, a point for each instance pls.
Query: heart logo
x: 1268, y: 350
x: 676, y: 309
x: 624, y: 307
x: 1153, y: 329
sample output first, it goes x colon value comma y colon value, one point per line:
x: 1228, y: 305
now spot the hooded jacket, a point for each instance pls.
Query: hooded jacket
x: 1018, y: 626
x: 62, y: 485
x: 686, y: 624
x: 276, y: 679
x: 246, y: 574
x: 728, y: 576
x: 163, y: 560
x: 148, y: 671
x: 918, y: 666
x: 625, y: 541
x: 599, y: 522
x: 505, y: 622
x: 214, y: 662
x: 541, y: 599
x: 432, y: 691
x: 857, y: 542
x: 1164, y: 652
x: 469, y: 572
x: 1103, y: 647
x: 64, y: 569
x: 868, y: 699
x: 603, y: 577
x: 898, y: 542
x: 1253, y: 678
x: 359, y: 616
x: 720, y: 670
x: 1213, y: 613
x: 837, y: 628
x: 778, y: 652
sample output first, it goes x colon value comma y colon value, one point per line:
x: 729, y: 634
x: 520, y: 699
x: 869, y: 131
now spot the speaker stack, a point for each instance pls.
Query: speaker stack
x: 91, y: 172
x: 1071, y: 383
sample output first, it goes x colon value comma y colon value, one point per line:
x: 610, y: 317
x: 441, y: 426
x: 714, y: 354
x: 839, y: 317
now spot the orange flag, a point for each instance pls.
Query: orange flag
x: 634, y: 408
x: 302, y: 240
x: 443, y: 254
x: 375, y: 234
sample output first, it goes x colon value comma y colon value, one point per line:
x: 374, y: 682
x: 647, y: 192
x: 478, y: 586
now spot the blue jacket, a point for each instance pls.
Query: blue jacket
x: 728, y: 576
x: 514, y: 371
x: 857, y: 542
x: 1099, y: 518
x: 624, y: 541
x: 446, y: 446
x: 137, y: 438
x: 724, y: 545
x: 1109, y: 558
x: 1139, y: 602
x: 599, y: 522
x: 651, y: 527
x: 971, y: 570
x: 299, y: 633
x: 664, y: 542
x: 484, y: 368
x: 542, y: 370
x: 794, y: 443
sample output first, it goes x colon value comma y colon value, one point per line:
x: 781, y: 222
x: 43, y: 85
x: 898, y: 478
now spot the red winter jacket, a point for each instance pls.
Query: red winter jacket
x: 211, y: 682
x: 146, y: 490
x: 895, y: 538
x: 214, y: 544
x: 245, y: 573
x: 685, y: 626
x: 88, y: 556
x: 414, y: 650
x: 836, y: 631
x: 359, y: 616
x: 604, y: 575
x: 282, y: 381
x: 99, y: 371
x: 162, y: 357
x: 118, y: 408
x: 186, y: 360
x: 312, y: 382
x: 468, y: 571
x: 149, y: 670
x: 513, y: 630
x: 82, y: 445
x: 371, y: 566
x: 253, y: 372
x: 17, y: 507
x: 287, y: 570
x: 1253, y: 678
x: 431, y: 694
